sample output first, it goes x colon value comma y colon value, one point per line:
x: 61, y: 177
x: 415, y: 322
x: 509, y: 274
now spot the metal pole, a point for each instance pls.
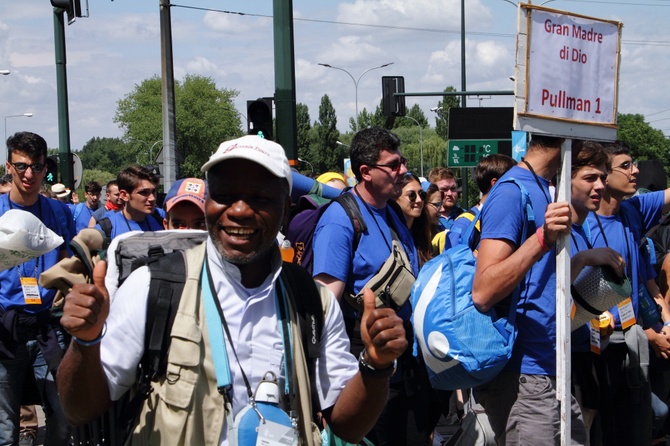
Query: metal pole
x: 170, y: 162
x: 355, y: 81
x: 285, y: 97
x: 65, y: 167
x: 464, y: 185
x: 563, y: 347
x: 420, y: 140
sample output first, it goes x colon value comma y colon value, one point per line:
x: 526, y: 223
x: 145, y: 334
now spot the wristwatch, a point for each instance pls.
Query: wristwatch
x: 367, y: 370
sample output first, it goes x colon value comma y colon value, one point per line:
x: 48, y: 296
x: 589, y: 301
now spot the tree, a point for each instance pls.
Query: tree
x: 325, y: 153
x: 443, y: 106
x: 646, y: 143
x: 303, y: 124
x: 107, y: 155
x: 205, y: 116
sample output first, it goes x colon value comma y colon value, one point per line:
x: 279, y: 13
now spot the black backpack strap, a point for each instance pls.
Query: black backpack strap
x: 168, y: 277
x: 306, y: 299
x: 350, y: 205
x: 106, y: 226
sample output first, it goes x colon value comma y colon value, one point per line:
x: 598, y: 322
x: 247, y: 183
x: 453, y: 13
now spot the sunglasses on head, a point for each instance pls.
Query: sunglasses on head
x: 22, y: 167
x: 411, y: 196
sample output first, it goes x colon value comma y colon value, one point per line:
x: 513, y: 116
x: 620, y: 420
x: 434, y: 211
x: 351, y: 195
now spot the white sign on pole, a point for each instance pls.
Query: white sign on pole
x: 573, y: 67
x: 567, y: 74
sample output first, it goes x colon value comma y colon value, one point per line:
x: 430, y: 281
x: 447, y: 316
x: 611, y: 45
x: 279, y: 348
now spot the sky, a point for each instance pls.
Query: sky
x: 118, y: 46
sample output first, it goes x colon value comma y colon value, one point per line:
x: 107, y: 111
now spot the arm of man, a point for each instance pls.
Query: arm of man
x: 594, y: 257
x: 666, y: 201
x: 500, y: 268
x: 334, y: 285
x: 363, y: 398
x: 82, y: 384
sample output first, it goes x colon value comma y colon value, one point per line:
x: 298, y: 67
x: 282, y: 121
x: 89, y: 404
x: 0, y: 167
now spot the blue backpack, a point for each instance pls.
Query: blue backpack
x: 461, y: 346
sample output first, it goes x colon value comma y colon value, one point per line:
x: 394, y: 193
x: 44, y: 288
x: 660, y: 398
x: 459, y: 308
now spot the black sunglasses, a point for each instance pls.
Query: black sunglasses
x: 22, y: 167
x: 411, y: 196
x: 394, y: 166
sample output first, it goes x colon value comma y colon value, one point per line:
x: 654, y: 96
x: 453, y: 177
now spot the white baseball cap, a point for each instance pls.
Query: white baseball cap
x: 261, y: 151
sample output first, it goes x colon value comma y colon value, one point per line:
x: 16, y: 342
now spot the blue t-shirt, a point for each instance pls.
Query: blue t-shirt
x: 82, y: 215
x: 503, y: 218
x: 333, y: 245
x: 11, y: 293
x: 121, y: 225
x: 580, y: 340
x: 460, y: 227
x: 623, y: 232
x: 444, y: 223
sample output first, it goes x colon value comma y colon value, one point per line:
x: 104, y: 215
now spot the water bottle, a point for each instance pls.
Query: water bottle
x: 287, y: 251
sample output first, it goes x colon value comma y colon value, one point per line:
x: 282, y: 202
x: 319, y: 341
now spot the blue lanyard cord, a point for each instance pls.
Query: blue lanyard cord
x: 215, y: 328
x: 216, y: 339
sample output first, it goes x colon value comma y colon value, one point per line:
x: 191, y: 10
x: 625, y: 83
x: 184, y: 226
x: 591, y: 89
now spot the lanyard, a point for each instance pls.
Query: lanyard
x: 216, y: 327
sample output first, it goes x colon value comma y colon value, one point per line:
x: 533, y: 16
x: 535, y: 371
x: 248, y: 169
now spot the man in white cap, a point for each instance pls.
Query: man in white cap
x: 249, y: 183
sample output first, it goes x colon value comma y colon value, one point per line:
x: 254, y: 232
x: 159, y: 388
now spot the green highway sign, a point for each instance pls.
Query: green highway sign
x: 468, y: 152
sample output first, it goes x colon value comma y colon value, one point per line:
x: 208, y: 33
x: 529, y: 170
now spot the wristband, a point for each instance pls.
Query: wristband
x: 92, y: 342
x: 667, y: 324
x: 367, y: 370
x: 540, y: 238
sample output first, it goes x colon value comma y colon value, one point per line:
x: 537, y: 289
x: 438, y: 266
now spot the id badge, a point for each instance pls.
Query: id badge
x: 594, y: 330
x: 626, y: 313
x: 275, y: 434
x: 31, y: 292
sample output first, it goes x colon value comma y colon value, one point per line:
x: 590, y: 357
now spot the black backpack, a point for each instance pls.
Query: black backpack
x: 168, y: 275
x: 304, y: 218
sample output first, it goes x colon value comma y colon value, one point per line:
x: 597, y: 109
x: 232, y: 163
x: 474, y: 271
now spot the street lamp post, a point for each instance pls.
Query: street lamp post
x: 420, y: 140
x: 27, y: 115
x: 150, y: 147
x: 356, y: 81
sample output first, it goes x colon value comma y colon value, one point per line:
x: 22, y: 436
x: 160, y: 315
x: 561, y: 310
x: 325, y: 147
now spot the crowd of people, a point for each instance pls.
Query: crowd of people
x: 364, y: 380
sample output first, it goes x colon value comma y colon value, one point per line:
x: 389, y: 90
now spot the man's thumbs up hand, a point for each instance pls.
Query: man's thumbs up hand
x: 382, y: 333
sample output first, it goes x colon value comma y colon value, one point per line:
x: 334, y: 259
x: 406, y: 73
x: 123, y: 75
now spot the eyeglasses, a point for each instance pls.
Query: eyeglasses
x: 146, y: 192
x: 411, y: 196
x: 626, y: 165
x: 394, y: 166
x: 22, y: 167
x: 436, y: 204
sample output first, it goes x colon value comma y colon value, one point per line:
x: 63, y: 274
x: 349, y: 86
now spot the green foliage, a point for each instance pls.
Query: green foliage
x: 205, y: 116
x: 324, y: 153
x: 108, y: 154
x: 303, y: 123
x: 442, y: 119
x: 646, y: 143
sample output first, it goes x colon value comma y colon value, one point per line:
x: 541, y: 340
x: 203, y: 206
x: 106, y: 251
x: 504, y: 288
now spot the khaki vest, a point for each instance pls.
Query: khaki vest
x: 185, y: 406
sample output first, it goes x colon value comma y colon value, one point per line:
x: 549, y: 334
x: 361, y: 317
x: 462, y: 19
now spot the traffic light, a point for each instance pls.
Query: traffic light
x: 71, y: 7
x: 393, y: 105
x: 51, y: 176
x: 259, y: 114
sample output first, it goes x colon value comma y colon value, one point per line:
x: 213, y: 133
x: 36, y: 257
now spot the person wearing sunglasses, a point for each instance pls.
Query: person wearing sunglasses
x: 412, y: 202
x: 137, y: 191
x: 380, y: 169
x: 24, y: 304
x: 620, y: 223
